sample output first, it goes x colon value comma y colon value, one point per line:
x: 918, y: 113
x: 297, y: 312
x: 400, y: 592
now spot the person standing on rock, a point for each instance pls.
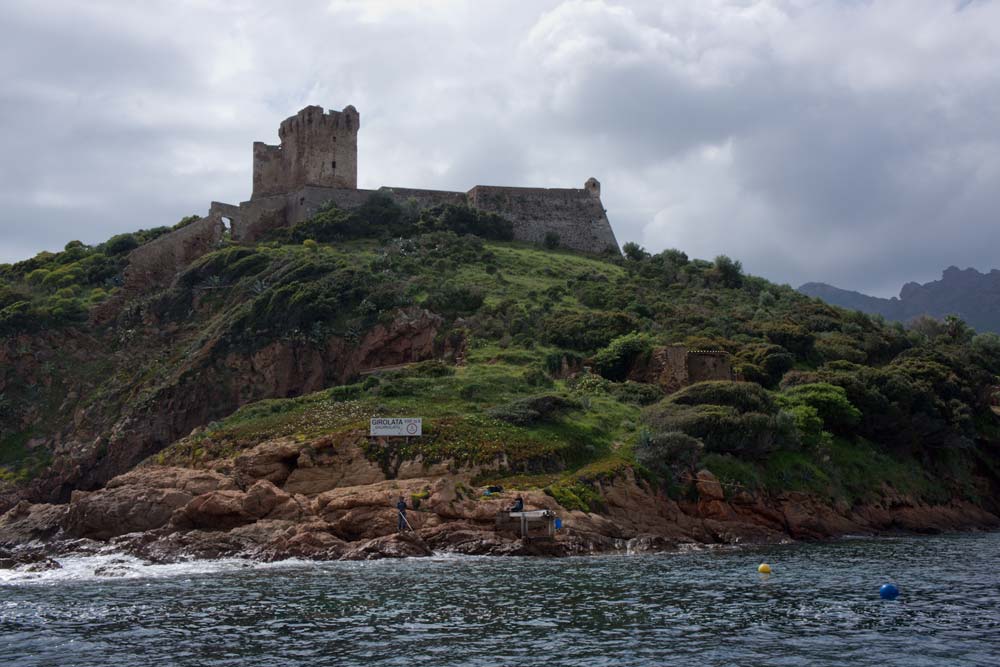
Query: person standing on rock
x: 401, y: 508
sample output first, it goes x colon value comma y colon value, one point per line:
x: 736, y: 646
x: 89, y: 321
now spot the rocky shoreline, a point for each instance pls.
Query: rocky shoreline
x: 253, y: 507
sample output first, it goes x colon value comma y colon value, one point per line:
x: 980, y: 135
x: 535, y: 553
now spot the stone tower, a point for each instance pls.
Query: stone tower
x: 316, y: 148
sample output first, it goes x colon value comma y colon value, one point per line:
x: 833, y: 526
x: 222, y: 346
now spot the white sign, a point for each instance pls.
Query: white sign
x: 406, y: 426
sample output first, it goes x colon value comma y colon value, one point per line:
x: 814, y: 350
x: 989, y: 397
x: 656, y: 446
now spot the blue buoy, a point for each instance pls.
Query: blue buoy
x: 888, y: 592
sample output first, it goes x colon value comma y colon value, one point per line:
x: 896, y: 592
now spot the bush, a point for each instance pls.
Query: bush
x: 730, y: 272
x: 615, y: 360
x: 732, y: 473
x: 454, y: 300
x: 465, y: 220
x: 744, y: 396
x: 667, y: 453
x: 638, y: 393
x: 587, y: 331
x: 634, y: 252
x: 829, y: 402
x: 724, y: 429
x: 525, y: 411
x: 121, y: 244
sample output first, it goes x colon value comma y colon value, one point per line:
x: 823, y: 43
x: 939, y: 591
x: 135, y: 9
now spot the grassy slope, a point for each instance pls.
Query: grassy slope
x: 523, y: 313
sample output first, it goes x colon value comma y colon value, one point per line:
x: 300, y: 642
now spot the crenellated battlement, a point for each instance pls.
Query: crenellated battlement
x: 313, y: 119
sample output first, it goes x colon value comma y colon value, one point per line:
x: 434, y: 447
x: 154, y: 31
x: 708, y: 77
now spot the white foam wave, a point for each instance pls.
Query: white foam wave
x: 119, y: 566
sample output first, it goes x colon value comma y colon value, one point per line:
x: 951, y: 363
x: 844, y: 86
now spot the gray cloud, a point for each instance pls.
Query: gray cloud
x: 854, y: 143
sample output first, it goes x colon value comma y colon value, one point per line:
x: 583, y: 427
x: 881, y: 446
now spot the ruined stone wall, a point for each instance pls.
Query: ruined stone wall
x: 254, y: 218
x: 316, y: 148
x: 304, y: 204
x: 575, y: 215
x: 669, y: 366
x: 158, y: 262
x: 705, y: 365
x: 426, y: 198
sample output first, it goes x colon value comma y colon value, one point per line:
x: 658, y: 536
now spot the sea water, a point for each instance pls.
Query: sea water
x: 820, y: 606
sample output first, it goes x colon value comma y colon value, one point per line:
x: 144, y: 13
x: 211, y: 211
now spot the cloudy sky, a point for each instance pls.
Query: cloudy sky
x: 852, y: 142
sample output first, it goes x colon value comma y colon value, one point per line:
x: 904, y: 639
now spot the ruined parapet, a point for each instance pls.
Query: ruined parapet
x: 157, y: 263
x: 705, y: 365
x: 257, y: 217
x: 576, y: 216
x: 668, y: 368
x: 316, y: 148
x: 674, y: 367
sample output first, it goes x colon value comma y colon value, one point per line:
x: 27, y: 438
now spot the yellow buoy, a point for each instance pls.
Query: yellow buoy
x: 764, y: 568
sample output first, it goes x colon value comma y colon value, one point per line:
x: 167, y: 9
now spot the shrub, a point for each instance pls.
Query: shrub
x: 121, y: 244
x: 732, y: 473
x: 829, y: 402
x: 615, y: 360
x: 744, y: 396
x: 667, y: 453
x: 454, y: 300
x: 587, y: 331
x: 310, y: 244
x: 724, y: 429
x: 18, y: 316
x: 536, y: 377
x: 729, y: 271
x: 638, y: 393
x: 526, y: 411
x: 634, y: 252
x: 465, y: 220
x: 576, y: 496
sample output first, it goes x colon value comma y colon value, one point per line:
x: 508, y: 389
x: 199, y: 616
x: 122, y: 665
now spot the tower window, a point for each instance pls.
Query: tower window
x: 333, y: 165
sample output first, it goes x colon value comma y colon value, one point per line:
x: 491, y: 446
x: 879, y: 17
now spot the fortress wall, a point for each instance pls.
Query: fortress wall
x: 304, y: 204
x: 269, y: 175
x: 577, y: 216
x: 703, y: 366
x: 157, y: 262
x: 671, y: 365
x: 426, y: 198
x: 256, y: 217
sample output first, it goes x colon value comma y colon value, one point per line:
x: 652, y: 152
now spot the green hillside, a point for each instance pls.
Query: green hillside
x: 526, y: 370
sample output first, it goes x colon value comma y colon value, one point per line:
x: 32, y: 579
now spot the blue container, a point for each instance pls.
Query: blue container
x: 558, y: 523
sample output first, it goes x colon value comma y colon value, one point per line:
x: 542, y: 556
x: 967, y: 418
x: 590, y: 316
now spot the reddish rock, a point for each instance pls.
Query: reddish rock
x: 399, y: 545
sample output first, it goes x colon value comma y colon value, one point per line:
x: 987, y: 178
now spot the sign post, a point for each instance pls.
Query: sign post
x: 406, y: 427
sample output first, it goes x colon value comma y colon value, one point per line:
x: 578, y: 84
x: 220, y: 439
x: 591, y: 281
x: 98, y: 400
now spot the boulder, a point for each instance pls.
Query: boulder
x: 216, y: 510
x: 708, y: 486
x: 192, y: 482
x: 107, y: 513
x: 26, y: 522
x: 273, y: 461
x: 399, y: 545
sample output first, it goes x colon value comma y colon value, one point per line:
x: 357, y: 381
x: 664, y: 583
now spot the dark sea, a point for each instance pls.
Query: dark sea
x: 820, y: 606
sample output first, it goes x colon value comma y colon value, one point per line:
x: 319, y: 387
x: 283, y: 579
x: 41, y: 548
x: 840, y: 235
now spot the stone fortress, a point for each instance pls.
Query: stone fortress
x: 317, y: 163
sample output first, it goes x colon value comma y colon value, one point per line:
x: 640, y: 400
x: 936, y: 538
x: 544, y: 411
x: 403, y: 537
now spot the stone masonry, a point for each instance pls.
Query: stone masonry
x: 316, y: 149
x: 316, y: 163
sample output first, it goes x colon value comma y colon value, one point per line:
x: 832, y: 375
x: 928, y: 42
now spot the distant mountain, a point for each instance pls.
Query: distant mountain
x: 973, y: 296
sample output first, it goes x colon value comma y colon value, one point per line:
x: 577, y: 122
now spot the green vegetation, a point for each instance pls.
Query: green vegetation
x: 835, y: 403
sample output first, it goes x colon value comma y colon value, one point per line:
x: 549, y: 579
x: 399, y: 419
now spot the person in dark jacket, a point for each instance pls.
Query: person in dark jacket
x: 401, y: 508
x: 518, y: 505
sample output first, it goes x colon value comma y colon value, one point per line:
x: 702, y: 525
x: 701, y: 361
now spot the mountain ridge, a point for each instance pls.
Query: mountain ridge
x: 967, y: 293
